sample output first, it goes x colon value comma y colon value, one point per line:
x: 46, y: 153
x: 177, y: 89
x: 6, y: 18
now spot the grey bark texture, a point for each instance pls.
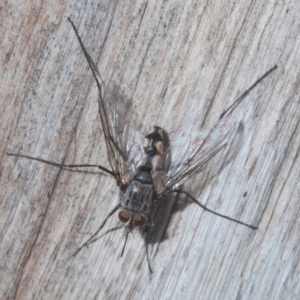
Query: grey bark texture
x: 182, y: 63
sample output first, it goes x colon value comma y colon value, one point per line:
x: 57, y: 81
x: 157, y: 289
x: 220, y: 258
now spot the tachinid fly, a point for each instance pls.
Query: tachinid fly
x: 144, y: 167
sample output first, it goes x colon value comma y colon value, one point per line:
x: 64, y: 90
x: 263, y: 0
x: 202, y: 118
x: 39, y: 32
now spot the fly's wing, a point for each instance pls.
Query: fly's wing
x: 188, y: 156
x: 123, y: 143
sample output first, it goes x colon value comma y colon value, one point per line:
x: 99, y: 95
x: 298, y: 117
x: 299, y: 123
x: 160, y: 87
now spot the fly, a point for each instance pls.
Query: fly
x: 139, y: 163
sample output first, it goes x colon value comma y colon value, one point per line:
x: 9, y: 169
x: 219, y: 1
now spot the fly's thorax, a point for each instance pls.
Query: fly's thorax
x: 139, y: 195
x: 138, y: 200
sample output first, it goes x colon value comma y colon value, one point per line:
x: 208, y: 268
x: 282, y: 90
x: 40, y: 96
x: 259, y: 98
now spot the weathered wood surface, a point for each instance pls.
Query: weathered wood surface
x: 183, y: 62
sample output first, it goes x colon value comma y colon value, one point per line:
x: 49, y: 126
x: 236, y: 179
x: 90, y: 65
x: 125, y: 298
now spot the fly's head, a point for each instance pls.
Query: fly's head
x: 131, y: 219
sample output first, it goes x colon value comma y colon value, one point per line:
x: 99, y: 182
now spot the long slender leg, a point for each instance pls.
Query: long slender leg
x: 105, y: 233
x: 86, y: 243
x: 125, y: 242
x: 239, y: 99
x: 61, y: 165
x: 214, y: 212
x: 147, y: 254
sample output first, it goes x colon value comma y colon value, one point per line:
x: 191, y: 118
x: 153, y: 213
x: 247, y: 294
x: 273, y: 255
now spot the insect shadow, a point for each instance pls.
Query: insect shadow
x: 172, y: 204
x: 148, y: 168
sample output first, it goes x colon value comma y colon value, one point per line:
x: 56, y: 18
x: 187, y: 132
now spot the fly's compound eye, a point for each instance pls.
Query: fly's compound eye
x: 124, y: 216
x: 139, y: 220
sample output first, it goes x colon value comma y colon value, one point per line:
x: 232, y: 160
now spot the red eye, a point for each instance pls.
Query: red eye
x: 124, y: 216
x: 139, y: 220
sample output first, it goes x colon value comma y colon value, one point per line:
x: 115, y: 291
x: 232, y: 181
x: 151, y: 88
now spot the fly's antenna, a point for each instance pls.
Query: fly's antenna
x: 214, y: 212
x: 240, y: 98
x: 91, y: 239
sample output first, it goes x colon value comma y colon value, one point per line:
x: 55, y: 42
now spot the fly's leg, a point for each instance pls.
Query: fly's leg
x: 240, y: 98
x: 146, y: 232
x: 214, y: 212
x: 147, y: 255
x: 92, y: 238
x: 59, y: 165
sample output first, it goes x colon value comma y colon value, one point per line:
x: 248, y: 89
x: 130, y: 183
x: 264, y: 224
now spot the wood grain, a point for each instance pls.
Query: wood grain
x: 183, y: 63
